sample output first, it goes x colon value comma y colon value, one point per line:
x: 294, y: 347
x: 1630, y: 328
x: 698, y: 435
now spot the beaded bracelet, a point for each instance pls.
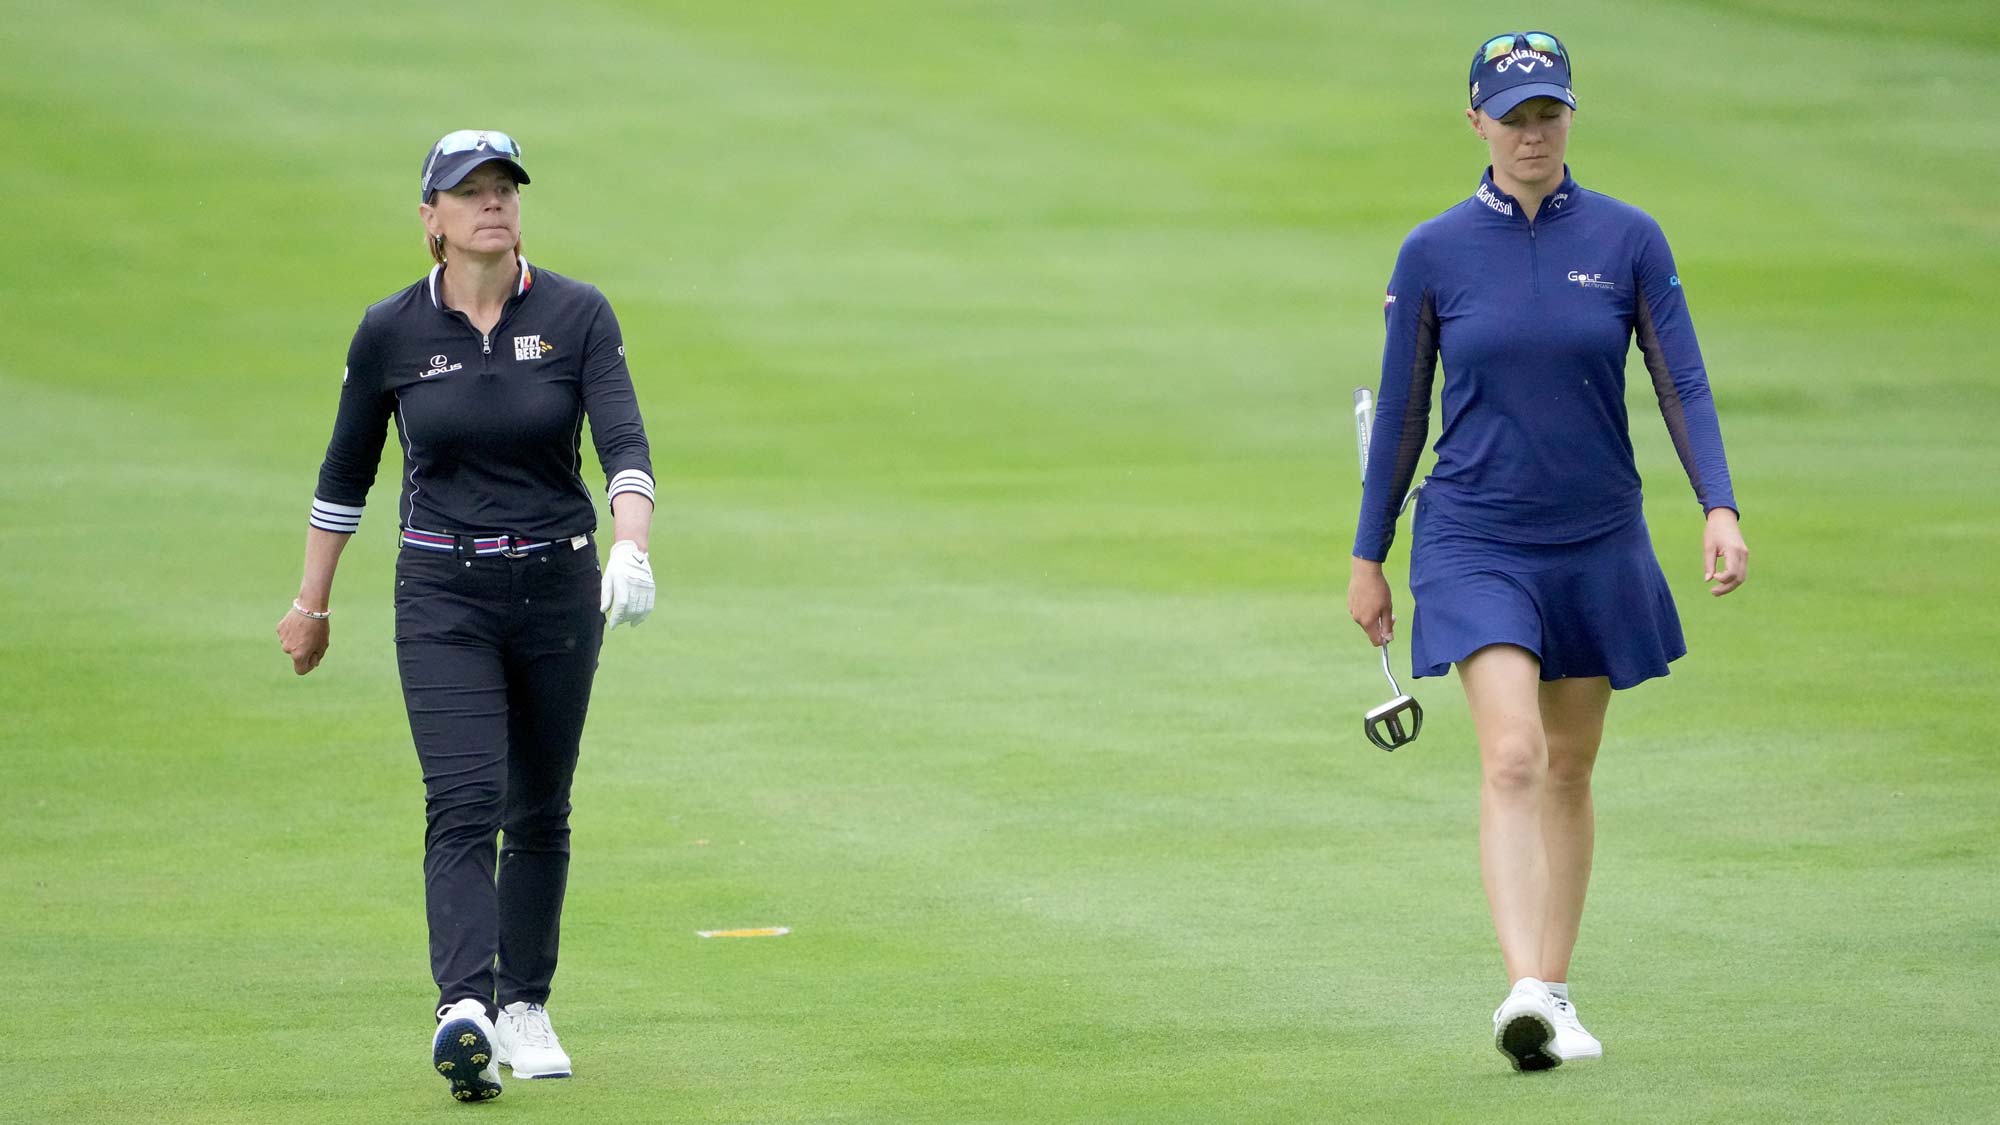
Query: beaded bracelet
x: 304, y: 612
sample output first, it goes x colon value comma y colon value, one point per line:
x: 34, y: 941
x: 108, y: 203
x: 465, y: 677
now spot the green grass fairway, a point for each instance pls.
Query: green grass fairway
x: 997, y: 358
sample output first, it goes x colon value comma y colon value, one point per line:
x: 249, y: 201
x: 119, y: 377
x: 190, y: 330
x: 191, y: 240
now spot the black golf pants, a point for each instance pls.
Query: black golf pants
x: 497, y: 655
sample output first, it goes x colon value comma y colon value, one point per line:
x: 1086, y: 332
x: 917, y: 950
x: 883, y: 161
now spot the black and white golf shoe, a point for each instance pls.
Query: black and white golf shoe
x: 462, y: 1052
x: 1524, y: 1026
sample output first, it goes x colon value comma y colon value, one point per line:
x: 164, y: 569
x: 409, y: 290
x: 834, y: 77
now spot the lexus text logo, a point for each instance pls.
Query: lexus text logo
x: 440, y: 364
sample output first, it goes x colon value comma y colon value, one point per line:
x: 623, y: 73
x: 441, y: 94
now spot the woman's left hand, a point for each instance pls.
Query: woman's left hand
x: 1723, y: 538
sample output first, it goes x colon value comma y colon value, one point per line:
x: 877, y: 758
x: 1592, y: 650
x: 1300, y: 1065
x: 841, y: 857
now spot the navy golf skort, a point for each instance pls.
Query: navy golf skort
x: 1596, y: 608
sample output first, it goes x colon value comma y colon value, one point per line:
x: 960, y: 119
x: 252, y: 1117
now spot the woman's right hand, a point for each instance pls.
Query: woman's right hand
x: 1368, y: 601
x: 304, y: 640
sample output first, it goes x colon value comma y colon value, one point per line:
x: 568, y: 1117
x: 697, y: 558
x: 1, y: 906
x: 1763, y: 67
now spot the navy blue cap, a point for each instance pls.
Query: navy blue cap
x: 1511, y: 68
x: 457, y: 153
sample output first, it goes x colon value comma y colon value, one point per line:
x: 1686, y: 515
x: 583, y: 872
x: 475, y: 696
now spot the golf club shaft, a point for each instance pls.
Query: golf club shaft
x: 1393, y: 685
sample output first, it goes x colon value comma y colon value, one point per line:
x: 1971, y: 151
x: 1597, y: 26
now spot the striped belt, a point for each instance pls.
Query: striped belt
x: 469, y: 546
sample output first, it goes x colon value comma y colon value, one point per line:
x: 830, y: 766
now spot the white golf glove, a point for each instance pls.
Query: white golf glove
x: 626, y: 597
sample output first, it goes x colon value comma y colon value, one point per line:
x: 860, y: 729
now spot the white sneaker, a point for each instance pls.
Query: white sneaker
x: 1524, y: 1025
x: 462, y: 1051
x: 1573, y: 1043
x: 527, y: 1042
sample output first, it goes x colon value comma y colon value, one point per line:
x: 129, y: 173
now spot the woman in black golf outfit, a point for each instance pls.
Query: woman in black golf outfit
x: 489, y: 368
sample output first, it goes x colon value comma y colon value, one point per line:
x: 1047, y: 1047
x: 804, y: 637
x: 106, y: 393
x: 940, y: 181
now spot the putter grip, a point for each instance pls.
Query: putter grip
x: 1364, y: 423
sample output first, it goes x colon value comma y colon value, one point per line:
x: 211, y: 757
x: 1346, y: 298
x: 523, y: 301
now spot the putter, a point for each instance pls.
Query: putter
x: 1384, y: 725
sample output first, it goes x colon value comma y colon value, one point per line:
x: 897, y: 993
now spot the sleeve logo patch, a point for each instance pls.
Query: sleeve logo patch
x: 531, y: 347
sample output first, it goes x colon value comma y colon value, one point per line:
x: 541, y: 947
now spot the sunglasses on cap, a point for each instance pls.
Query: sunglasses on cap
x: 1501, y: 45
x: 469, y: 140
x: 466, y: 140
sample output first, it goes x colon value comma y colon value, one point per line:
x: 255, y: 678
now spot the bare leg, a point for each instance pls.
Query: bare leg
x: 1502, y: 688
x: 1573, y: 724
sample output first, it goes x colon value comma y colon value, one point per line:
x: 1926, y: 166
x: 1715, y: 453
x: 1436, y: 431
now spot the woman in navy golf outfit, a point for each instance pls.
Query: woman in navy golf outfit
x: 1531, y: 567
x: 489, y: 368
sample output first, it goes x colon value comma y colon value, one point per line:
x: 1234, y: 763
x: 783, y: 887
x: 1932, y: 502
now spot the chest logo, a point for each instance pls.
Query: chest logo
x: 1591, y: 280
x: 531, y: 347
x: 440, y: 364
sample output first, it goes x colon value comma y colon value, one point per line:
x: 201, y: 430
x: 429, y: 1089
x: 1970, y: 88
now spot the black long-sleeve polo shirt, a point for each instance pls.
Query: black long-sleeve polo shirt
x: 491, y: 423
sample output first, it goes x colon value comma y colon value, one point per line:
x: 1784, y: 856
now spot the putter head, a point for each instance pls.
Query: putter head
x: 1386, y: 726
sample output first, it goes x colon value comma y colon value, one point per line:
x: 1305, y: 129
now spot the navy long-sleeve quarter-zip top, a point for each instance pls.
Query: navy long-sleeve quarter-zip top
x: 1534, y: 321
x: 491, y: 422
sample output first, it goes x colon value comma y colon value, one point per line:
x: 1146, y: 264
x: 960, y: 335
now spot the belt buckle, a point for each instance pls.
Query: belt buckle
x: 511, y: 550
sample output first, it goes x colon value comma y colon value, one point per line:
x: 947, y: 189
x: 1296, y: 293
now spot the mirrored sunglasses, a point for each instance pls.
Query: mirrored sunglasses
x: 1500, y: 45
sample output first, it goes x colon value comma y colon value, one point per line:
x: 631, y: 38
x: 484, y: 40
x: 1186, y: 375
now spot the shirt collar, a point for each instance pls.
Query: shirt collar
x: 526, y: 281
x: 1490, y: 197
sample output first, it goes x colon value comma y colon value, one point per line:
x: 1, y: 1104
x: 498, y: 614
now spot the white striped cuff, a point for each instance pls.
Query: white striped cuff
x: 341, y: 519
x: 631, y: 480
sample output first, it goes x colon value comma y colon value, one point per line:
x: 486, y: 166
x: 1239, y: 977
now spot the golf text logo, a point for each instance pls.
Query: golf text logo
x: 440, y: 364
x: 1487, y: 197
x: 531, y: 347
x: 1591, y: 280
x: 1525, y: 60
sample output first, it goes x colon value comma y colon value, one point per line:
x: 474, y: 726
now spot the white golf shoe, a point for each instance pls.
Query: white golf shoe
x: 1524, y: 1026
x: 462, y: 1051
x: 527, y: 1042
x: 1573, y: 1043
